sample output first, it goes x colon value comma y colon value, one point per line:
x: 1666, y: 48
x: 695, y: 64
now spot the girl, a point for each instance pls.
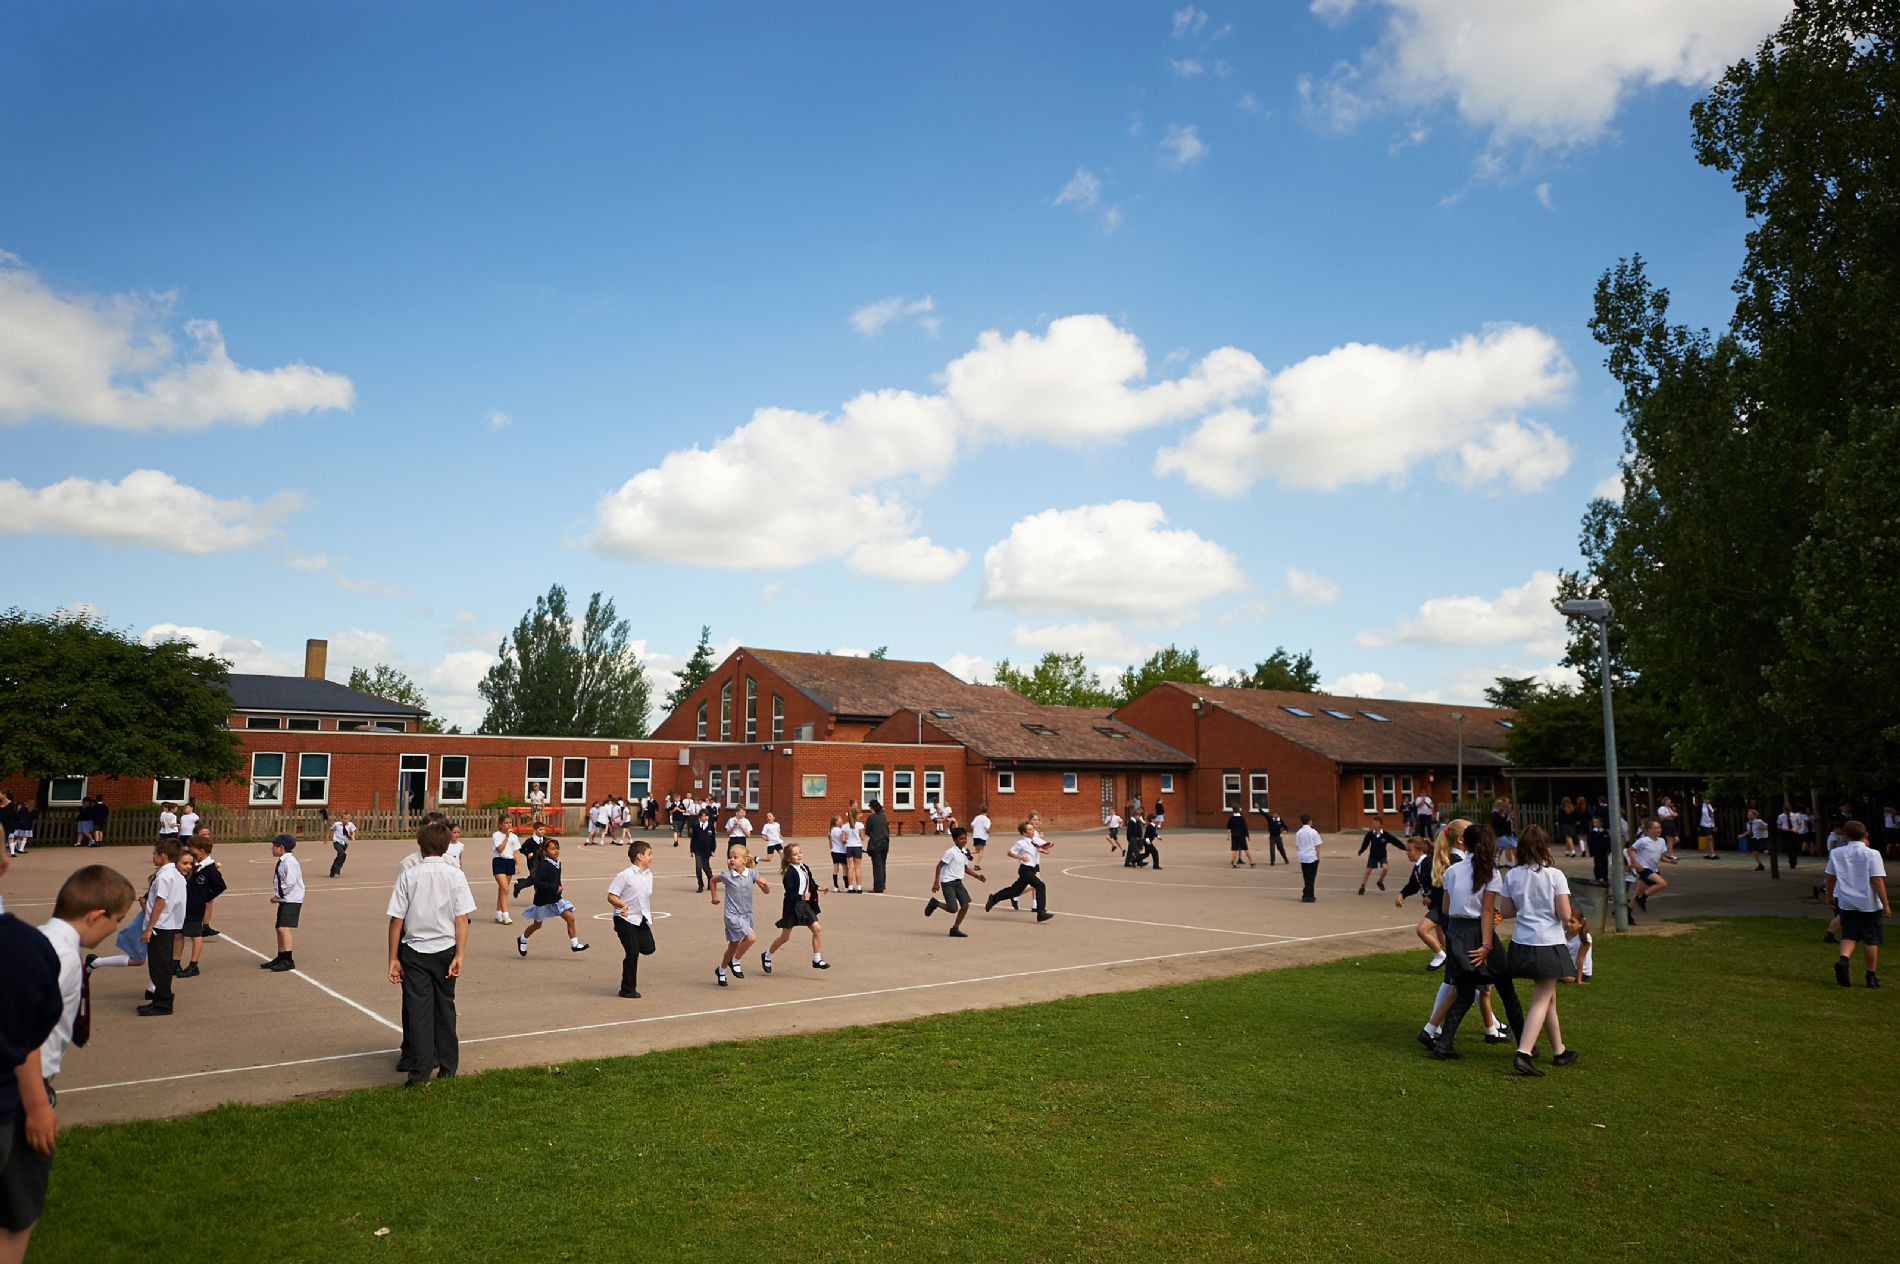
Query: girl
x: 854, y: 853
x: 502, y: 865
x: 838, y: 868
x: 773, y: 836
x: 1445, y: 853
x: 168, y: 820
x: 736, y: 883
x: 1504, y: 827
x: 547, y: 900
x: 1566, y: 825
x: 593, y: 823
x: 1472, y: 890
x: 1538, y: 895
x: 1577, y: 940
x: 703, y: 842
x: 1420, y: 883
x: 800, y: 909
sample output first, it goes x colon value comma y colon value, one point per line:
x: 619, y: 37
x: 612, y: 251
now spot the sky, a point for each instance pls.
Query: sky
x: 972, y: 330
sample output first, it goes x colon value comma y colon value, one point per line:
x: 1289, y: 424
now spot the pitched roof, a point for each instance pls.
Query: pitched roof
x: 1411, y: 733
x: 300, y: 693
x: 847, y: 685
x: 1015, y: 730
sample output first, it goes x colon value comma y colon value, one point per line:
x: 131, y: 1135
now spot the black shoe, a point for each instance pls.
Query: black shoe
x: 1157, y: 868
x: 1016, y: 906
x: 1873, y: 980
x: 283, y: 965
x: 964, y: 934
x: 1565, y: 1058
x: 212, y: 932
x: 1827, y: 937
x: 1498, y: 1037
x: 1444, y: 1052
x: 1642, y: 902
x: 989, y: 904
x: 1043, y: 916
x: 271, y: 964
x: 629, y: 996
x: 1309, y: 899
x: 1523, y: 1065
x: 189, y: 972
x: 404, y: 1065
x: 153, y: 1011
x: 930, y: 907
x: 821, y: 965
x: 1381, y: 884
x: 1840, y: 972
x: 415, y: 1081
x: 1425, y: 1038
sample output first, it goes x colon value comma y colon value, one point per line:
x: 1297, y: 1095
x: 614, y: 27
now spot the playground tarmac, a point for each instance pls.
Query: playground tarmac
x: 241, y: 1034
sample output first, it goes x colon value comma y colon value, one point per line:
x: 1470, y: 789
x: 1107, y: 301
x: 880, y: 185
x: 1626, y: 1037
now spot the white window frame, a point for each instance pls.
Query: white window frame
x: 451, y: 789
x: 303, y: 798
x: 725, y: 712
x: 568, y: 781
x: 778, y: 718
x: 1258, y: 789
x: 1071, y: 783
x: 1388, y: 793
x: 1005, y: 782
x: 1230, y: 790
x: 933, y: 786
x: 402, y: 767
x: 64, y: 801
x: 262, y: 723
x: 715, y: 785
x: 302, y: 724
x: 639, y: 787
x: 1167, y: 783
x: 1368, y: 794
x: 752, y: 787
x: 751, y: 709
x: 545, y: 780
x: 700, y: 734
x: 1405, y: 788
x: 158, y: 790
x: 870, y: 786
x: 735, y: 791
x: 283, y: 766
x: 903, y: 789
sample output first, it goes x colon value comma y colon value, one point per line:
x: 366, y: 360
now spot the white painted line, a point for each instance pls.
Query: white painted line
x: 68, y: 1090
x: 1131, y: 921
x: 224, y: 937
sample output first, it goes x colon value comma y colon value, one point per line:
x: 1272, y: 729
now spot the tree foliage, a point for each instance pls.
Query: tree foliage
x: 1169, y: 663
x: 694, y: 674
x: 1292, y: 673
x: 384, y: 681
x: 82, y: 699
x: 1057, y: 679
x: 559, y: 679
x: 1511, y: 691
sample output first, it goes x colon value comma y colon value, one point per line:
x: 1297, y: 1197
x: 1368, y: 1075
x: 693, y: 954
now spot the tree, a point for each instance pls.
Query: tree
x: 1166, y: 664
x: 555, y: 679
x: 1512, y: 691
x: 384, y: 681
x: 882, y: 651
x: 694, y: 674
x: 82, y: 699
x: 1283, y: 671
x: 1062, y: 680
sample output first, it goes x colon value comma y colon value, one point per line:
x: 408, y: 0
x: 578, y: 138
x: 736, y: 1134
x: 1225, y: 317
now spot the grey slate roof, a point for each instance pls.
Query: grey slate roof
x: 299, y: 693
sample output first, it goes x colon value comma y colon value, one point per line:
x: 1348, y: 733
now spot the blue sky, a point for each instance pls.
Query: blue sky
x: 968, y: 330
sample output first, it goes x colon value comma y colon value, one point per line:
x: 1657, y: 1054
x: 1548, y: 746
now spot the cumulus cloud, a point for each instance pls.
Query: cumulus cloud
x: 1078, y: 382
x: 873, y: 318
x: 1309, y: 589
x: 113, y: 360
x: 1098, y: 641
x: 146, y: 507
x: 915, y: 561
x: 1364, y: 413
x: 1543, y: 196
x: 1609, y: 488
x: 245, y: 654
x: 1116, y: 559
x: 1467, y: 684
x: 1186, y: 67
x: 1550, y: 74
x: 1182, y: 146
x: 1370, y: 684
x: 1522, y: 615
x: 973, y: 668
x: 1083, y: 190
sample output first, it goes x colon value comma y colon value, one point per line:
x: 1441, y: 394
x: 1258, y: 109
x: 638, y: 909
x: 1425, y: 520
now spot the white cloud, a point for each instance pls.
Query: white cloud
x: 146, y: 507
x: 1309, y: 589
x: 973, y: 668
x: 1115, y: 559
x: 243, y: 653
x: 915, y: 561
x: 1072, y: 383
x: 1189, y: 21
x: 1362, y: 413
x: 498, y: 420
x: 1366, y: 684
x: 1333, y: 10
x: 1252, y: 610
x: 1083, y: 190
x: 1552, y: 73
x: 1467, y: 684
x: 1111, y: 219
x: 1098, y: 641
x: 1182, y: 146
x: 460, y: 671
x: 800, y: 487
x: 1523, y: 615
x: 1610, y: 488
x: 1250, y: 103
x: 873, y: 318
x: 310, y: 565
x: 112, y: 361
x: 1543, y: 196
x: 1186, y: 67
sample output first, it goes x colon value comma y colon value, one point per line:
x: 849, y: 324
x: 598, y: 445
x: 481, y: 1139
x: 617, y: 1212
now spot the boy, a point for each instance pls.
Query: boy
x: 1648, y: 851
x: 342, y: 834
x: 774, y: 836
x: 1114, y: 823
x: 1857, y: 886
x: 1306, y: 845
x: 205, y: 884
x: 949, y: 882
x: 1028, y: 852
x: 164, y: 918
x: 90, y: 906
x: 428, y: 930
x: 1377, y: 839
x: 287, y: 892
x: 631, y: 894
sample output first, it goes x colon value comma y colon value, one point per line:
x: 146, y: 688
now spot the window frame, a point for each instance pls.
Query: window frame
x: 443, y: 780
x: 645, y: 783
x: 283, y: 767
x: 752, y: 787
x: 1368, y: 794
x: 1388, y: 793
x: 1230, y: 782
x: 751, y: 709
x: 1072, y: 783
x: 735, y: 793
x: 528, y: 779
x: 778, y: 718
x: 725, y: 712
x: 158, y: 790
x: 1259, y: 788
x: 870, y: 785
x: 904, y: 789
x: 64, y: 801
x: 1005, y: 781
x: 302, y: 724
x: 700, y: 732
x: 933, y: 785
x: 262, y: 723
x: 716, y: 784
x: 567, y: 761
x: 305, y: 799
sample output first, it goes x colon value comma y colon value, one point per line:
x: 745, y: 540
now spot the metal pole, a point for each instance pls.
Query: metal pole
x: 1615, y: 894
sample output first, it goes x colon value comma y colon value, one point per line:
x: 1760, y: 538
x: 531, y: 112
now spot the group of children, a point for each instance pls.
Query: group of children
x: 1143, y: 834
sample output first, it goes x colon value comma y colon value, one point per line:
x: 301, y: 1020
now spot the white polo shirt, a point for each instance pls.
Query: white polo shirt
x: 1648, y: 851
x: 1306, y: 844
x: 1534, y: 889
x: 72, y: 973
x: 771, y: 834
x: 738, y: 826
x: 169, y: 885
x: 1855, y: 866
x: 428, y: 897
x: 634, y: 887
x: 1025, y: 852
x: 980, y: 828
x: 505, y: 845
x: 1461, y: 898
x: 951, y: 867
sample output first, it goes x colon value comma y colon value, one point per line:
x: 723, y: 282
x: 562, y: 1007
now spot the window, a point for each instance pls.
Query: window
x: 903, y: 789
x: 391, y: 726
x: 1337, y: 715
x: 1167, y: 783
x: 1070, y: 783
x: 1006, y: 783
x: 1257, y: 788
x: 725, y: 712
x: 639, y: 778
x: 778, y: 718
x: 303, y: 724
x: 352, y: 726
x: 1375, y: 717
x: 262, y: 722
x: 1368, y: 794
x: 573, y: 780
x: 1388, y: 794
x: 65, y: 792
x: 267, y: 778
x: 751, y: 709
x: 169, y: 789
x: 453, y: 786
x: 700, y: 732
x: 1293, y: 710
x: 1109, y: 730
x: 412, y: 781
x: 1506, y: 724
x: 1230, y: 790
x: 751, y: 787
x: 540, y: 773
x: 733, y: 788
x: 313, y: 778
x: 813, y: 786
x: 715, y: 784
x: 873, y: 786
x: 1405, y: 789
x: 938, y: 713
x: 1039, y: 729
x: 933, y: 786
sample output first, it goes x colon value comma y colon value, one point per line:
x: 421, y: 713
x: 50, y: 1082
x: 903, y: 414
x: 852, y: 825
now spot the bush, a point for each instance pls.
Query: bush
x: 504, y: 800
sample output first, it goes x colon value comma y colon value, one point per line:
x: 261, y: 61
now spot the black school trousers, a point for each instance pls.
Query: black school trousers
x: 1276, y: 848
x: 1027, y: 877
x: 880, y: 856
x: 635, y: 942
x: 428, y: 1012
x: 1309, y: 872
x: 342, y: 854
x: 159, y: 966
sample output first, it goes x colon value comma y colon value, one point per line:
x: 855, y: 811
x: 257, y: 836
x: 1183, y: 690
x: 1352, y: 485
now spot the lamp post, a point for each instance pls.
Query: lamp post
x: 1598, y: 612
x: 1458, y: 786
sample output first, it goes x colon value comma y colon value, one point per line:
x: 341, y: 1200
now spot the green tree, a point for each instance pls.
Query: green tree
x: 384, y: 681
x: 1183, y: 666
x: 1062, y: 680
x: 1512, y: 691
x: 882, y: 651
x: 694, y: 674
x: 1289, y: 673
x: 559, y: 679
x: 82, y: 699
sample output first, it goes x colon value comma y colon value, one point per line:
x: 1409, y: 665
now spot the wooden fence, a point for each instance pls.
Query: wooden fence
x: 139, y: 826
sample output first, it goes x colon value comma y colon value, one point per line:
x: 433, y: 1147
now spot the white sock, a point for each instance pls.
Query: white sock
x: 1445, y: 991
x: 1433, y: 1029
x: 116, y: 959
x: 817, y: 956
x: 573, y: 941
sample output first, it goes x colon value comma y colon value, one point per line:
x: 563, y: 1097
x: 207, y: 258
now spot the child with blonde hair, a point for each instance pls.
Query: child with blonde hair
x: 734, y: 888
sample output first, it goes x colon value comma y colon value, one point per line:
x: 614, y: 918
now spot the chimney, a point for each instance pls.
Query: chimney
x: 316, y: 659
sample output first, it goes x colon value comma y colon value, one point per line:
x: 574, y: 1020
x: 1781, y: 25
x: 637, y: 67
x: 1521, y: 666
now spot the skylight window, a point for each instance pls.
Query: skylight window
x: 1292, y: 710
x: 1506, y: 724
x: 1375, y: 717
x: 1108, y: 731
x: 940, y: 713
x: 1337, y: 715
x: 1040, y: 730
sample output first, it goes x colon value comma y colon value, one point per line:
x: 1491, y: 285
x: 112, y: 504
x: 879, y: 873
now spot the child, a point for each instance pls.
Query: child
x: 1857, y: 886
x: 853, y: 853
x: 164, y: 918
x: 287, y: 892
x: 531, y: 848
x: 204, y: 883
x: 86, y: 912
x: 1472, y: 889
x: 1643, y: 857
x: 1597, y: 841
x: 503, y: 846
x: 1306, y: 845
x: 736, y: 883
x: 428, y: 932
x: 1114, y: 823
x: 20, y: 829
x: 800, y: 908
x: 949, y: 882
x: 1134, y: 855
x: 701, y: 844
x: 1757, y: 836
x: 1028, y: 850
x: 453, y: 854
x: 1372, y: 847
x: 1237, y: 835
x: 631, y: 894
x: 838, y: 868
x: 1420, y: 883
x: 1276, y: 828
x: 1537, y: 894
x: 168, y: 820
x: 1577, y: 940
x: 773, y: 836
x: 342, y: 834
x: 547, y: 899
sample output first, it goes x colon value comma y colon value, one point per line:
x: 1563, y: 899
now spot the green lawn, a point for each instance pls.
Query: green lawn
x: 1731, y: 1103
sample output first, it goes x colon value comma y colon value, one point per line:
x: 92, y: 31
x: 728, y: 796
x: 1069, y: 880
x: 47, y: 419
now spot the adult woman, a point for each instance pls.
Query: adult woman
x: 1538, y: 895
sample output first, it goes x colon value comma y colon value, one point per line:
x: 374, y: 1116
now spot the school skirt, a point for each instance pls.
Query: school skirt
x: 1463, y: 935
x: 502, y: 867
x: 129, y: 942
x: 1541, y: 961
x: 852, y: 851
x: 798, y: 911
x: 547, y: 912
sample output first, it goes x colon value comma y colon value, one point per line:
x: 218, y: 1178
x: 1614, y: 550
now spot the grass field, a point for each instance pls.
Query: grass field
x: 1731, y: 1103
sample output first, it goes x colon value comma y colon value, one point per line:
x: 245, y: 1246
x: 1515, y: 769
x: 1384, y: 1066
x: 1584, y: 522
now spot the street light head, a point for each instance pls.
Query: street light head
x: 1594, y: 609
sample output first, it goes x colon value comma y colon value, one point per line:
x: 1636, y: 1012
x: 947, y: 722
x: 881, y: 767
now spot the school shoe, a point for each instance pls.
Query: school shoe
x: 1043, y: 916
x: 819, y: 963
x: 521, y: 944
x: 1438, y: 959
x: 282, y: 965
x: 1840, y: 972
x: 1444, y: 1052
x: 1642, y: 902
x: 1523, y: 1065
x: 964, y: 934
x: 1017, y: 907
x: 212, y: 932
x: 404, y: 1066
x: 271, y: 964
x: 189, y: 972
x: 1565, y: 1058
x: 765, y: 962
x: 738, y: 971
x: 1497, y: 1035
x: 1873, y: 980
x: 1827, y: 937
x: 719, y: 972
x: 989, y: 904
x: 1381, y: 884
x: 626, y: 995
x: 577, y: 947
x: 932, y: 906
x: 153, y: 1011
x: 1426, y: 1038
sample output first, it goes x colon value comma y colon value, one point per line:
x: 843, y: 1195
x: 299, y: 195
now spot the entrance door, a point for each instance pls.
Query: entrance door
x: 412, y: 784
x: 1134, y: 788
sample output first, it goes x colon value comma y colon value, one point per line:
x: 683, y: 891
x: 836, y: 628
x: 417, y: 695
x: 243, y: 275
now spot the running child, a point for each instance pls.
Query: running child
x: 503, y: 848
x: 948, y: 882
x: 531, y: 847
x: 1028, y: 850
x: 1420, y: 884
x: 734, y: 887
x: 548, y: 903
x: 1857, y: 886
x: 1372, y: 847
x: 342, y: 834
x: 800, y: 908
x: 631, y: 895
x: 1114, y: 823
x: 773, y: 836
x: 1643, y: 856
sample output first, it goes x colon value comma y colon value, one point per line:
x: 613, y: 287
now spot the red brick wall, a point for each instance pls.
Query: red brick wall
x: 682, y: 725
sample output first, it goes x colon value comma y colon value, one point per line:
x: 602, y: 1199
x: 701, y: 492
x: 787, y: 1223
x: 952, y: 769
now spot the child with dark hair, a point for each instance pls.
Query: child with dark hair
x: 164, y: 918
x: 1472, y: 889
x: 631, y: 895
x: 548, y: 903
x: 800, y: 908
x: 429, y: 908
x: 287, y: 892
